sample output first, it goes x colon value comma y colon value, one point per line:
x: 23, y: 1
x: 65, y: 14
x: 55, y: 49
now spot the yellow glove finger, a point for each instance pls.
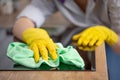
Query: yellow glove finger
x: 43, y: 50
x: 80, y: 41
x: 87, y: 40
x: 34, y: 48
x: 52, y: 49
x: 87, y: 48
x: 99, y: 42
x: 83, y: 40
x: 76, y: 37
x: 93, y: 41
x: 85, y: 35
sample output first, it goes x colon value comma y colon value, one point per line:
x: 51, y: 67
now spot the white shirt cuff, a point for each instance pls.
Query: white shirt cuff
x: 34, y: 14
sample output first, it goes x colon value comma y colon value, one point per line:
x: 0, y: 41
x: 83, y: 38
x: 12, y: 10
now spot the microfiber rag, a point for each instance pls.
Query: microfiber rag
x: 21, y: 54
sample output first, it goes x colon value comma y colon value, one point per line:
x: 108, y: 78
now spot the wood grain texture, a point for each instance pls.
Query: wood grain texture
x: 99, y: 74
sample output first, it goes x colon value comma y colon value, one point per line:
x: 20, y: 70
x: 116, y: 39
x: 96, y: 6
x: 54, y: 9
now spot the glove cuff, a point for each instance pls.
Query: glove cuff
x: 32, y: 34
x: 112, y: 38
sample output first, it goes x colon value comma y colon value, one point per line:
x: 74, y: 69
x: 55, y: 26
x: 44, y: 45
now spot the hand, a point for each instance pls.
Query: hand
x: 95, y: 36
x: 40, y: 42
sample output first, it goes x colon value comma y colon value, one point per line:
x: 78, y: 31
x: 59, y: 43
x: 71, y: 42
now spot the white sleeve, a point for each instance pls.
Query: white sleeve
x: 114, y: 14
x: 38, y: 11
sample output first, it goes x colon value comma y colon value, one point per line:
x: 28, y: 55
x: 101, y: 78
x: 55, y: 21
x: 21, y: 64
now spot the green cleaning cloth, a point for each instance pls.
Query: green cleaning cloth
x: 21, y: 54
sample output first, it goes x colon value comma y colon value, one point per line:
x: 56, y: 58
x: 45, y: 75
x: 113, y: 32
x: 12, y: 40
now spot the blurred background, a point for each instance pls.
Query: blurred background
x: 9, y: 9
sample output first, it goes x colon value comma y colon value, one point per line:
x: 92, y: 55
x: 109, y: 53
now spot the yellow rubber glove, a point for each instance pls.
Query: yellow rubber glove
x: 95, y: 36
x: 40, y: 42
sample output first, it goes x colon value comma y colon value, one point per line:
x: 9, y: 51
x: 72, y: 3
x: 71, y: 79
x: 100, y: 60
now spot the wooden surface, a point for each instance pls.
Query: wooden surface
x: 99, y: 74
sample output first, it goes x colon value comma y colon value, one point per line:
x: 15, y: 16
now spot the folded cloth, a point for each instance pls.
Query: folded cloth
x: 21, y: 54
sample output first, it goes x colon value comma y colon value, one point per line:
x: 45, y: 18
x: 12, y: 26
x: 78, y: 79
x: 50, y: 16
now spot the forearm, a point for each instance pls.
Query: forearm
x: 116, y: 47
x: 21, y: 25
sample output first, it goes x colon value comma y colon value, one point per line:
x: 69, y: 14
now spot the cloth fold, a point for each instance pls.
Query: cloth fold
x: 21, y: 54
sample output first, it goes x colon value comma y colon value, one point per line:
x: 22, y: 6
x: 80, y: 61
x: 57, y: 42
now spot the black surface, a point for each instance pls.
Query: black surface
x: 5, y: 62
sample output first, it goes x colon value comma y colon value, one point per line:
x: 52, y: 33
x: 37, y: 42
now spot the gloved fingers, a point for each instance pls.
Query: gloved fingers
x: 52, y: 49
x: 87, y: 40
x: 86, y: 48
x: 43, y: 50
x: 93, y: 41
x: 34, y: 48
x: 82, y: 34
x: 85, y: 37
x: 76, y: 37
x: 99, y: 42
x: 81, y: 40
